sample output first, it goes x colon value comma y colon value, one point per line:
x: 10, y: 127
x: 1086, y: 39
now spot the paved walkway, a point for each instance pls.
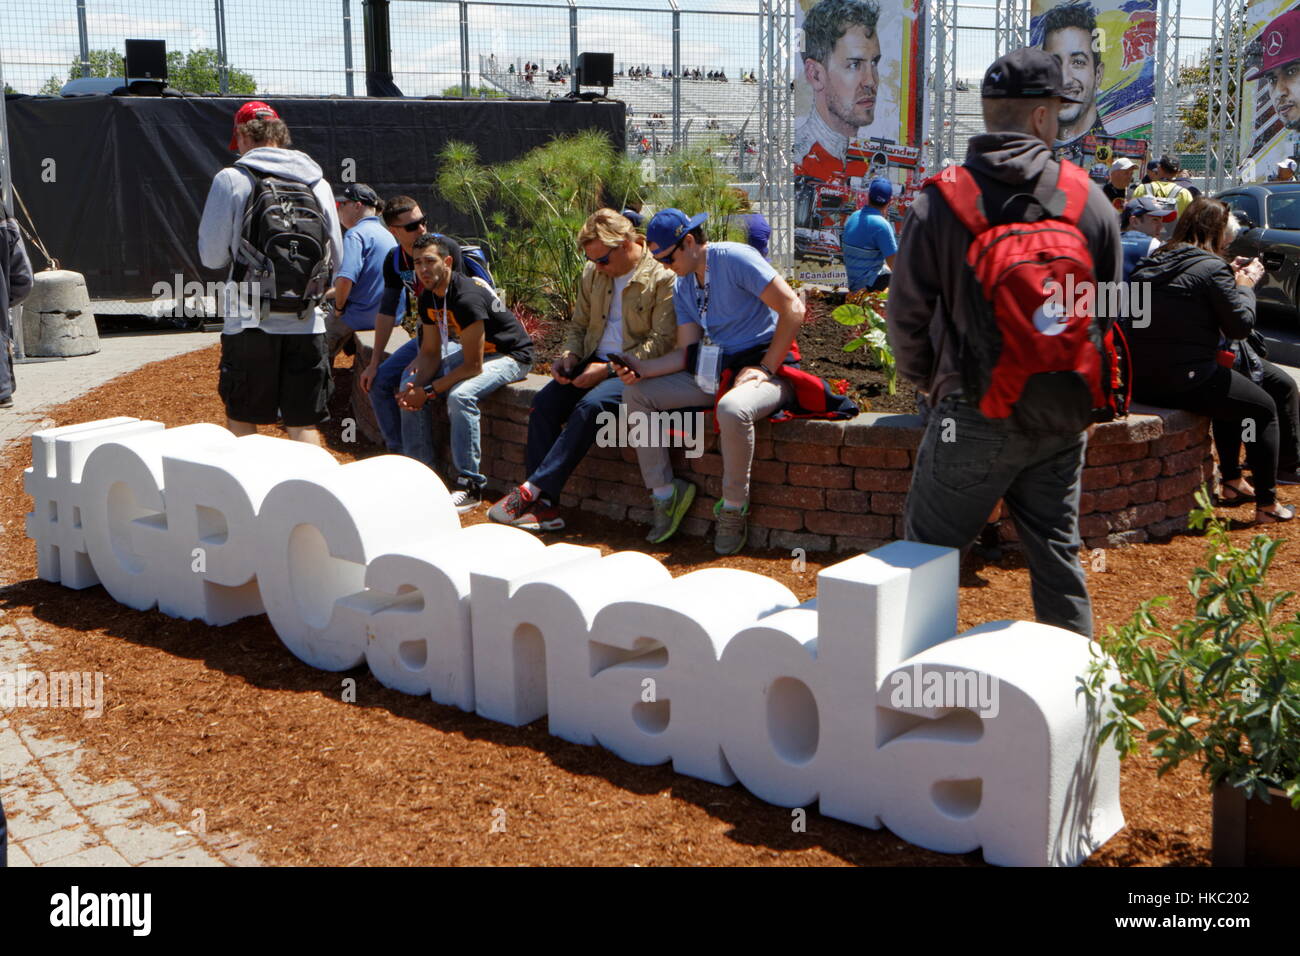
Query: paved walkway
x: 43, y: 384
x: 56, y: 815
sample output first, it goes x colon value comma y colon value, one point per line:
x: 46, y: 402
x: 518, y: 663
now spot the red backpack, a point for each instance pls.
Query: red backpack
x: 1029, y: 350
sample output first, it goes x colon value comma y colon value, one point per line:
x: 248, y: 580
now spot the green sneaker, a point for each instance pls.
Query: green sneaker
x: 669, y: 513
x: 733, y: 528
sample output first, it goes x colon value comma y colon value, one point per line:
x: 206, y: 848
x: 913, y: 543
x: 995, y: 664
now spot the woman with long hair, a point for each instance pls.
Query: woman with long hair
x: 1182, y: 356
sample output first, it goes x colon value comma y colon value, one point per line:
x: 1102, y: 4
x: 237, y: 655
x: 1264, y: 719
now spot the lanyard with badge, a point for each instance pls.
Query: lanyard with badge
x: 708, y: 362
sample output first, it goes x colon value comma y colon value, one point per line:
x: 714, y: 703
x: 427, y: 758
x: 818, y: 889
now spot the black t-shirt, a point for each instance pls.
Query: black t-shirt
x: 471, y: 300
x: 1116, y: 195
x: 395, y: 278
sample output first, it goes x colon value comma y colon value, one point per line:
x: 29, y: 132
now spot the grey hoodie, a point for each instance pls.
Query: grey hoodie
x: 223, y: 216
x: 930, y: 272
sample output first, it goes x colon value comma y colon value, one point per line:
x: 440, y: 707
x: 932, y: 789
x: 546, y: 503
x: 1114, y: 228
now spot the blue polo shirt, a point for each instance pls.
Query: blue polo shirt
x: 364, y: 247
x: 868, y: 239
x: 728, y: 307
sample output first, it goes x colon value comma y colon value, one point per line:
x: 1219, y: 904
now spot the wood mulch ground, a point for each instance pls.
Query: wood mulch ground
x: 227, y: 720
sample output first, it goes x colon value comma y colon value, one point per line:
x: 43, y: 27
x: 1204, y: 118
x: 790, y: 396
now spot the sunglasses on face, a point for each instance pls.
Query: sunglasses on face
x: 672, y: 254
x: 603, y: 260
x: 416, y: 225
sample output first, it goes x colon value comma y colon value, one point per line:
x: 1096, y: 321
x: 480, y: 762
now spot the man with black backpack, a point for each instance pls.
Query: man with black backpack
x: 271, y: 218
x: 1013, y: 375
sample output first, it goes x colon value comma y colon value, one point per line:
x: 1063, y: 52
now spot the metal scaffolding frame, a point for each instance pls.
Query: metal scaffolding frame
x: 1165, y: 124
x: 943, y: 79
x: 775, y: 128
x: 1012, y: 26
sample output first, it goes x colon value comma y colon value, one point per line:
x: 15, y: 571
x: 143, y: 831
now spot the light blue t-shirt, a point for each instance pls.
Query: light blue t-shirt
x: 868, y: 239
x: 733, y: 316
x: 364, y: 247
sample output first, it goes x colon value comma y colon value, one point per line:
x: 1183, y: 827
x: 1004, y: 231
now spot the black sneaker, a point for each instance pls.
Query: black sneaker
x: 467, y: 495
x: 6, y: 403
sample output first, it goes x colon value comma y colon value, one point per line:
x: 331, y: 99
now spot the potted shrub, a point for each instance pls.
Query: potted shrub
x: 1225, y: 687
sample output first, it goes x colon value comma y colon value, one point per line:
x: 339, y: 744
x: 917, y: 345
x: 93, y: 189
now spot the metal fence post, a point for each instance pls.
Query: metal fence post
x: 573, y: 35
x: 677, y: 74
x: 347, y: 47
x: 6, y: 197
x: 464, y: 49
x: 223, y: 62
x: 83, y: 37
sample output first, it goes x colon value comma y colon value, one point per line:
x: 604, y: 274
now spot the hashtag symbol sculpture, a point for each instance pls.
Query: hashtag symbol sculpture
x: 54, y: 483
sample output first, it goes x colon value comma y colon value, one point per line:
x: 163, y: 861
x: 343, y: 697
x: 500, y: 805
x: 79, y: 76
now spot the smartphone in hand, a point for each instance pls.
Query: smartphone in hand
x: 620, y: 362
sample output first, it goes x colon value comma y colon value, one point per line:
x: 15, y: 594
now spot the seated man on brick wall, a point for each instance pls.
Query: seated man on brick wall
x: 736, y: 324
x: 625, y: 305
x: 495, y: 350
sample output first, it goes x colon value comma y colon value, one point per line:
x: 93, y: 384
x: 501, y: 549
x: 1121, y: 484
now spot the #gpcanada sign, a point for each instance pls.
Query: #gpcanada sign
x: 838, y: 701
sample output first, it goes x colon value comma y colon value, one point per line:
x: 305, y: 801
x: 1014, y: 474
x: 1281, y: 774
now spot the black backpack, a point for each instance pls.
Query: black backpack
x: 284, y: 244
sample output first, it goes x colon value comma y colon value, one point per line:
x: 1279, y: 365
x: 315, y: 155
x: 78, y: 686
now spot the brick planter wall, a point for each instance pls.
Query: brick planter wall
x: 840, y: 486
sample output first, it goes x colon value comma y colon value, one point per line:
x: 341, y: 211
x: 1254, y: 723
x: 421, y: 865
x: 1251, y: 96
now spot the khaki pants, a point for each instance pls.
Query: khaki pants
x: 736, y: 413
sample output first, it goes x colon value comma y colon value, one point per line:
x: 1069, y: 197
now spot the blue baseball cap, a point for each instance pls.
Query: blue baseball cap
x: 757, y: 232
x: 880, y: 191
x: 668, y: 228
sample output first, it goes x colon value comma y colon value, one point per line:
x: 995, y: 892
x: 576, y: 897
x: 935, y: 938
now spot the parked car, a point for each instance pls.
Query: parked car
x: 1269, y: 214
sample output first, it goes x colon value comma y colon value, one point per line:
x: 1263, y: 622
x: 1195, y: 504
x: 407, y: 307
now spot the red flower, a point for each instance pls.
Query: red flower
x: 840, y: 386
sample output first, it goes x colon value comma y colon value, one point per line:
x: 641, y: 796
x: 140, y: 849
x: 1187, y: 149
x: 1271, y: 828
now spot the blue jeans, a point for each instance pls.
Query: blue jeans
x: 463, y: 411
x: 554, y: 448
x: 405, y: 433
x: 966, y: 462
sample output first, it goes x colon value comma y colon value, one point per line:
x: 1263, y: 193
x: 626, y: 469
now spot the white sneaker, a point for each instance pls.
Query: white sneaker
x: 467, y: 497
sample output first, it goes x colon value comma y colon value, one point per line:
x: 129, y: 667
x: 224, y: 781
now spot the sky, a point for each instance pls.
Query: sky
x: 297, y: 46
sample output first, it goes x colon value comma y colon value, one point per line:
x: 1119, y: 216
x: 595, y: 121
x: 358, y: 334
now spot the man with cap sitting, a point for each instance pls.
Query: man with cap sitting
x: 274, y: 365
x: 869, y: 242
x: 1141, y: 221
x: 359, y: 285
x: 736, y: 321
x: 1285, y: 171
x: 967, y: 461
x: 1118, y: 181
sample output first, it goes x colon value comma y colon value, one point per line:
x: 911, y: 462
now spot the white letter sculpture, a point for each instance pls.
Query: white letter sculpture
x: 865, y: 700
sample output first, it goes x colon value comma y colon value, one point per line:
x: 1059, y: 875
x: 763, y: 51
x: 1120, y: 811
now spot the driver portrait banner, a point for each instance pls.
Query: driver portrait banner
x: 859, y: 114
x: 1270, y: 106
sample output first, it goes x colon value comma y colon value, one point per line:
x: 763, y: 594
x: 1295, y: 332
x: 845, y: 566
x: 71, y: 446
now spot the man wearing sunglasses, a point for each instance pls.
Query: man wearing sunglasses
x: 625, y: 305
x: 405, y: 433
x: 736, y: 324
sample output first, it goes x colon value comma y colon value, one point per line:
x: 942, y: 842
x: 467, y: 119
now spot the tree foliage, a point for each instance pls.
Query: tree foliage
x: 193, y: 71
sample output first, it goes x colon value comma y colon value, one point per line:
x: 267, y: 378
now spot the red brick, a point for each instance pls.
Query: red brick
x: 862, y: 526
x: 1150, y: 513
x: 821, y: 476
x: 783, y: 519
x: 877, y: 479
x: 876, y: 457
x: 582, y: 487
x: 1180, y: 507
x: 627, y: 454
x: 623, y: 494
x: 764, y: 449
x: 1143, y: 492
x: 707, y: 465
x: 515, y: 414
x: 1094, y: 479
x: 900, y: 527
x: 512, y: 452
x: 1095, y: 524
x: 611, y: 454
x: 806, y: 453
x: 1170, y: 444
x: 768, y: 472
x: 1183, y: 484
x: 884, y: 503
x: 702, y: 507
x: 1132, y: 471
x: 1183, y: 461
x: 788, y: 496
x: 1114, y: 454
x: 511, y: 431
x: 846, y: 542
x: 606, y: 470
x: 854, y: 501
x: 1112, y: 499
x: 1087, y: 502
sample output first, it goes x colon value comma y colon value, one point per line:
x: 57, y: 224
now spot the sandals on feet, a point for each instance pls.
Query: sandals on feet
x: 1230, y: 497
x: 1269, y: 517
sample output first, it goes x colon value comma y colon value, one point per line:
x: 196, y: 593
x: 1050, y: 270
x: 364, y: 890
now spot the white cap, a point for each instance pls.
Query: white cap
x: 1121, y: 164
x: 1286, y: 164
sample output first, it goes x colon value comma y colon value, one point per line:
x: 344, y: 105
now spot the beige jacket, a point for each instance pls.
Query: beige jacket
x: 649, y: 322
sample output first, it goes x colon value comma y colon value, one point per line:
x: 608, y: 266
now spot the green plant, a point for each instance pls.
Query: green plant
x: 193, y: 71
x: 869, y: 308
x: 528, y: 211
x: 694, y: 181
x: 1225, y: 683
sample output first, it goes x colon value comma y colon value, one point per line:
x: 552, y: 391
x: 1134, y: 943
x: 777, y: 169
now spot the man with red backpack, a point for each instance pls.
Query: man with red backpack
x: 1012, y: 373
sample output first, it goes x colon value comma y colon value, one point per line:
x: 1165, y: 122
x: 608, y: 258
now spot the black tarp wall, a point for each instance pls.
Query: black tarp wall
x: 130, y: 174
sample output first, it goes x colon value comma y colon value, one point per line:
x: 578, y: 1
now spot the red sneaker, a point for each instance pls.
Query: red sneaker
x: 509, y: 509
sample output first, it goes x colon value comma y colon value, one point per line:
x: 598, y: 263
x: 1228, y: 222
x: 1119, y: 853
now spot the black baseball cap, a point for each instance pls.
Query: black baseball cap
x: 357, y: 192
x: 1027, y: 73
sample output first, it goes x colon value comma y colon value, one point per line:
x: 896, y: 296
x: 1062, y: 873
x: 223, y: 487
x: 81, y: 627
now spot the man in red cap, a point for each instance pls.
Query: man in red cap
x: 1279, y: 45
x: 274, y: 362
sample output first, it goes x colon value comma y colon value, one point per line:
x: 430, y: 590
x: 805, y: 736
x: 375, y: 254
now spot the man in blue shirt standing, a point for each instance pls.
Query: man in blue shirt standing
x: 359, y: 285
x: 868, y: 240
x: 736, y: 323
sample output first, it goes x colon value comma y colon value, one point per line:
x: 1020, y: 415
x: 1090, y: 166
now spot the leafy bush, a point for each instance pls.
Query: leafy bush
x: 869, y: 308
x: 1225, y: 682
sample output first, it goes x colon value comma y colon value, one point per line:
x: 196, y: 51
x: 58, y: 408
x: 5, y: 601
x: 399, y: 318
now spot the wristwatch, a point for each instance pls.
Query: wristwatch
x: 770, y: 373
